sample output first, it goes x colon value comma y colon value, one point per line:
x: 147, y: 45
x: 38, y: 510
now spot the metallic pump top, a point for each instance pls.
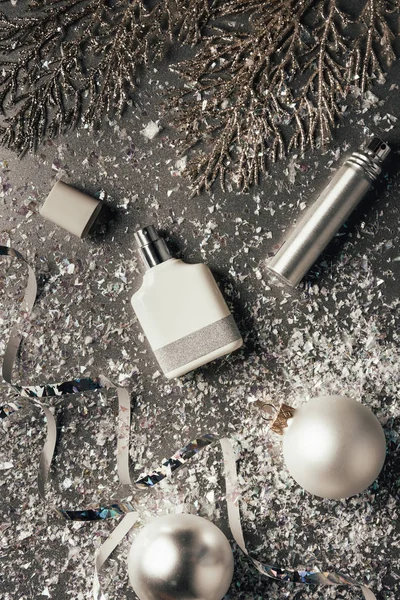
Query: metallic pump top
x: 378, y: 148
x: 152, y: 248
x: 369, y: 157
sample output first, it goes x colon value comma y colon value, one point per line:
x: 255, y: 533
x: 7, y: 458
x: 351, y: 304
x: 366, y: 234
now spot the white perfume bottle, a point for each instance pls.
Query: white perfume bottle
x: 181, y: 309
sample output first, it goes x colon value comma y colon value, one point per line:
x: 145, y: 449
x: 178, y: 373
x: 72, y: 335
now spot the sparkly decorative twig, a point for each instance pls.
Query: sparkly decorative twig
x: 373, y: 51
x: 288, y: 72
x: 267, y: 77
x: 239, y: 96
x: 68, y: 61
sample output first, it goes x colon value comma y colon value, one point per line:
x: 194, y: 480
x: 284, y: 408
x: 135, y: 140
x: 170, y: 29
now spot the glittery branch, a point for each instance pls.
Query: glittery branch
x: 266, y: 78
x: 238, y: 95
x: 245, y: 91
x: 41, y: 60
x: 373, y: 50
x: 319, y: 100
x: 71, y: 61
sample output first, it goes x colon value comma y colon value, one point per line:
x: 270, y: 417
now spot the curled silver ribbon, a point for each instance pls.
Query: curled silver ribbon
x: 231, y: 483
x: 35, y: 393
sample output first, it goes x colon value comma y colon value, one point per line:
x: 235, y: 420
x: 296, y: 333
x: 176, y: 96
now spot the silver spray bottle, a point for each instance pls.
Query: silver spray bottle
x: 323, y: 219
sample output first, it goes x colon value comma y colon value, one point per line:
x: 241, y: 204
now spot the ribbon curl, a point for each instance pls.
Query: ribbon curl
x: 33, y: 394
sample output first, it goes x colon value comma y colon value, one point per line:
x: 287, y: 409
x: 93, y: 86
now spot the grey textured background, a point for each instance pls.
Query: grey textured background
x: 337, y: 334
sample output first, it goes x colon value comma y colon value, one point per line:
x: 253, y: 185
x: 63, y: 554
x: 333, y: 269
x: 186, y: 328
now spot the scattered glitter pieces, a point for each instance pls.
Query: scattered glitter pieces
x: 151, y: 130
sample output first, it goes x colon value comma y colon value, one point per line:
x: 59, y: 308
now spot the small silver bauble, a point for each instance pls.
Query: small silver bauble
x: 180, y: 557
x: 333, y: 446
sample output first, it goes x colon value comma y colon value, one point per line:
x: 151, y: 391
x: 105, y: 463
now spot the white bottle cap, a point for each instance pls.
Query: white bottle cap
x: 71, y: 209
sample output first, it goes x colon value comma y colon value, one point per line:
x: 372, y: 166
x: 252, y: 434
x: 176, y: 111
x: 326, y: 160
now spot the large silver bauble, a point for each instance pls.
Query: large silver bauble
x: 334, y: 447
x: 180, y: 557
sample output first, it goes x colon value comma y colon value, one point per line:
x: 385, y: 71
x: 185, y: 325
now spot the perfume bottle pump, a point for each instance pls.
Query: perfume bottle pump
x: 181, y: 309
x: 328, y: 213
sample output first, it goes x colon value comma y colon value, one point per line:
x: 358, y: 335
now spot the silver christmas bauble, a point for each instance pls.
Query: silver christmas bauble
x: 180, y: 557
x: 334, y: 446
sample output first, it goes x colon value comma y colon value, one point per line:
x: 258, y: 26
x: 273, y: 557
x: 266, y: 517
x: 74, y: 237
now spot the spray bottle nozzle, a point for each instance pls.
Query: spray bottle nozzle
x: 378, y: 149
x: 152, y: 247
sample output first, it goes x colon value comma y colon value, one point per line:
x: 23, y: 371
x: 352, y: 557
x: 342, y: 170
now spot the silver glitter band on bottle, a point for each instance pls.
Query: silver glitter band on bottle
x: 197, y: 344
